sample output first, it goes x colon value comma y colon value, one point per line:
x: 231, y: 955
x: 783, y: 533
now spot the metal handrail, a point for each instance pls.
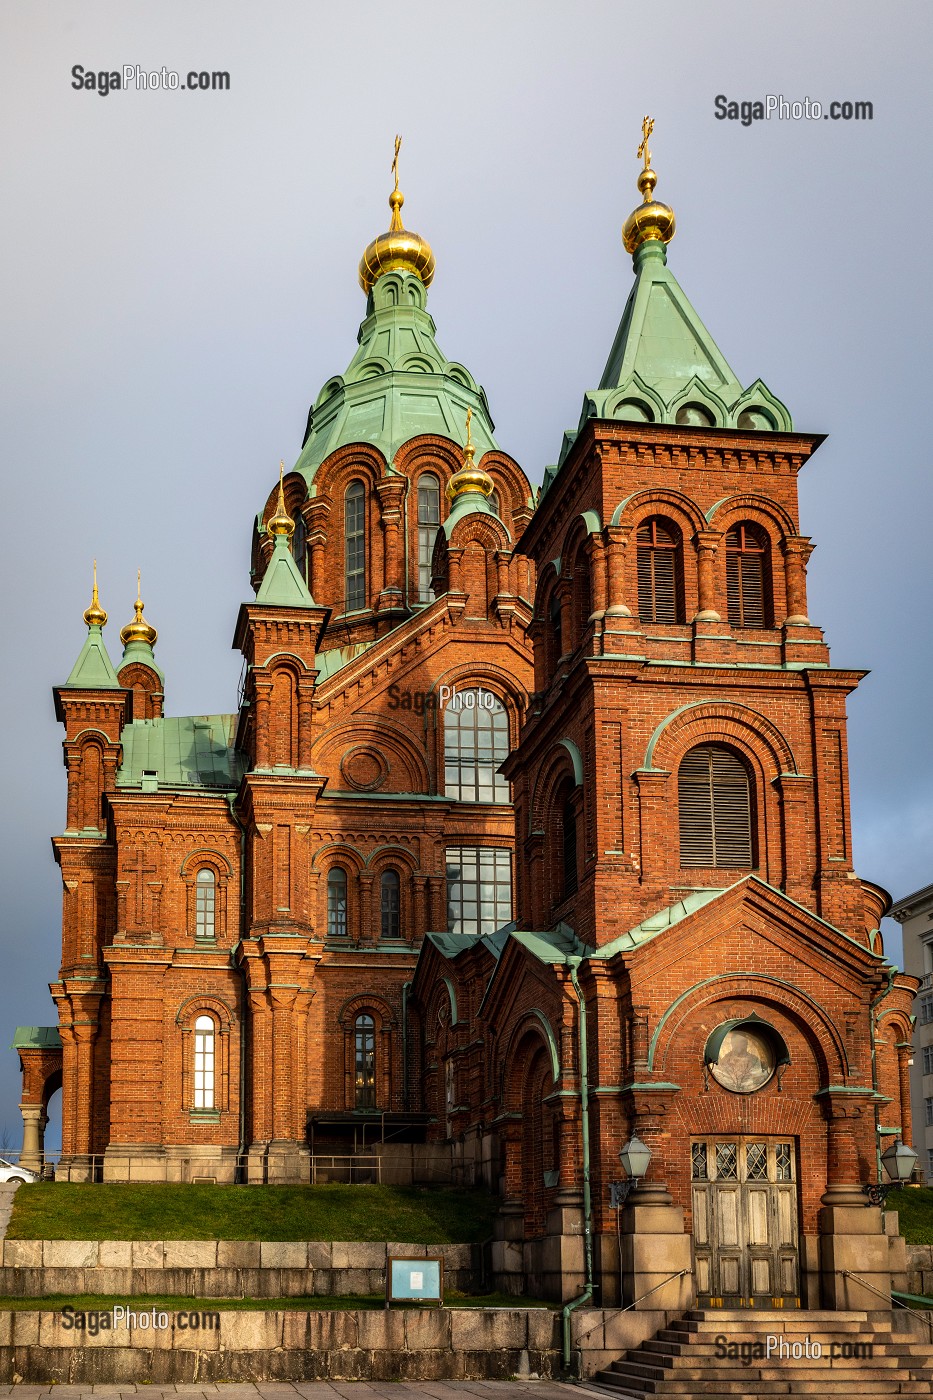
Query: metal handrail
x: 682, y: 1273
x: 894, y: 1301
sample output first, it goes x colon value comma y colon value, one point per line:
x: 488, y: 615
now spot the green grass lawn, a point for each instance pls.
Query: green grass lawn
x: 87, y: 1302
x: 914, y: 1206
x: 399, y: 1214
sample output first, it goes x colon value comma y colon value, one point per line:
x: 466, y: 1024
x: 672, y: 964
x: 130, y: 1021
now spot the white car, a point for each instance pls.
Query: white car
x: 12, y: 1171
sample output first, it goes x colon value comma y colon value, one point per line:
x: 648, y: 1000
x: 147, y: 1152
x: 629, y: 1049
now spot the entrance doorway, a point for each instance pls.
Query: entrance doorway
x: 745, y: 1231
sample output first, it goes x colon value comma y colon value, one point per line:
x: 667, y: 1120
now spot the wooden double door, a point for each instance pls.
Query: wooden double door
x: 745, y: 1230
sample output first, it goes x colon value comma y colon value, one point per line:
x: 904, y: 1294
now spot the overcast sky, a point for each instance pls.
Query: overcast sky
x: 178, y: 279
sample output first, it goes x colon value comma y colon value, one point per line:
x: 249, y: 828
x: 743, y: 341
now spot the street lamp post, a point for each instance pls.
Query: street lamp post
x: 898, y: 1161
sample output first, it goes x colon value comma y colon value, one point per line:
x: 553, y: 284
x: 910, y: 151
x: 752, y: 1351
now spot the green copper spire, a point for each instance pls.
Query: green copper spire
x: 93, y: 669
x: 282, y: 583
x: 664, y: 366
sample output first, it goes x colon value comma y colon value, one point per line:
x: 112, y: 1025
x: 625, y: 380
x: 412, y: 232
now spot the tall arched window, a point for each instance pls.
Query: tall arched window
x: 205, y: 898
x: 429, y: 518
x: 390, y: 904
x: 747, y: 576
x: 300, y: 544
x: 204, y: 1062
x: 569, y: 842
x: 337, y: 902
x: 476, y: 741
x: 660, y: 571
x: 714, y: 797
x: 364, y: 1056
x: 555, y: 621
x: 355, y: 546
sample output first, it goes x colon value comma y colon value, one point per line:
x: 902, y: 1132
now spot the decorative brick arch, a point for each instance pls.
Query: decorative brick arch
x: 403, y: 760
x: 205, y: 1004
x: 748, y: 506
x: 723, y: 721
x: 658, y: 500
x: 559, y: 764
x: 206, y: 859
x: 385, y: 1029
x: 366, y: 1003
x: 811, y: 1019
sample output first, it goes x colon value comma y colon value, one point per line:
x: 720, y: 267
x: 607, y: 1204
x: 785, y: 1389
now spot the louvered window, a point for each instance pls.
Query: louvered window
x: 746, y: 576
x: 570, y: 848
x: 659, y: 571
x: 715, y: 809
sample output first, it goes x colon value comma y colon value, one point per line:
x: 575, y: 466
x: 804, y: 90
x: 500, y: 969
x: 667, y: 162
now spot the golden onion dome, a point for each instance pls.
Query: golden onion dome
x: 399, y: 249
x: 651, y: 221
x: 281, y: 522
x: 139, y: 630
x: 95, y: 616
x: 470, y: 477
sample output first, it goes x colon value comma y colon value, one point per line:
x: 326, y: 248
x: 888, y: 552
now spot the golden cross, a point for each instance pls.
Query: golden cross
x: 647, y: 127
x: 139, y: 584
x: 398, y: 147
x: 469, y: 441
x: 281, y: 504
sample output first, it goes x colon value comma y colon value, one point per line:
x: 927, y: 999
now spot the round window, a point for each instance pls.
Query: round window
x: 746, y: 1061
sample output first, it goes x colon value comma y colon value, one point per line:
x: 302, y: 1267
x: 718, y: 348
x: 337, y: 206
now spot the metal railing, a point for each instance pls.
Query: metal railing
x: 259, y: 1169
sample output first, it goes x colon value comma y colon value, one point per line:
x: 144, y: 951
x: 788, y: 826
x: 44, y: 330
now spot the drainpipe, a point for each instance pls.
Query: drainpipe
x: 586, y: 1295
x: 891, y: 973
x: 241, y: 1150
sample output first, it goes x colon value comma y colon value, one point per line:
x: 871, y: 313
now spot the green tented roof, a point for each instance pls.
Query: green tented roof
x: 36, y: 1038
x: 187, y: 751
x: 142, y: 653
x: 282, y: 583
x: 398, y: 385
x: 93, y: 669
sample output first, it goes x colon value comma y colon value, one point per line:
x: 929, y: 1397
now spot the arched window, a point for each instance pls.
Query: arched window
x: 205, y: 899
x: 355, y: 546
x: 569, y: 841
x: 747, y: 576
x: 204, y: 1062
x: 337, y: 902
x: 493, y: 499
x: 389, y: 904
x: 300, y: 544
x: 476, y: 741
x: 429, y: 518
x: 714, y: 798
x: 364, y: 1056
x: 554, y: 618
x: 660, y: 571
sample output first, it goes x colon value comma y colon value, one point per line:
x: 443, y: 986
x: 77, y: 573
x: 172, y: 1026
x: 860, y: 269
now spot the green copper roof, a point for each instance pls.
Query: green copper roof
x: 93, y: 669
x: 329, y: 662
x: 187, y: 751
x: 470, y: 503
x: 282, y: 582
x: 142, y: 653
x: 36, y: 1038
x: 398, y: 385
x: 665, y: 367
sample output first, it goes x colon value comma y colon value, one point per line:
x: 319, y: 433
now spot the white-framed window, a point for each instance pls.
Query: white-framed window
x: 928, y: 1059
x: 205, y: 903
x: 337, y: 902
x: 928, y: 1106
x: 429, y: 518
x: 355, y: 546
x: 476, y: 742
x: 204, y: 1038
x: 926, y: 1010
x: 479, y: 888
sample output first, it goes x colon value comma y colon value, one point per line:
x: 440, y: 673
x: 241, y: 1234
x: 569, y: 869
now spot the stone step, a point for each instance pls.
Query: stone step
x: 747, y: 1386
x: 796, y: 1371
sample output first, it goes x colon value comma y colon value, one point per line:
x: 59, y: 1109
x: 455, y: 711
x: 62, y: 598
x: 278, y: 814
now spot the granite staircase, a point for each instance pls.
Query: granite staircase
x: 719, y: 1354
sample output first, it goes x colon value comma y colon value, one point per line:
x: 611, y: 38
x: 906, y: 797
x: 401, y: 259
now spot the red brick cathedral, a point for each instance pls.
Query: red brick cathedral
x: 527, y: 838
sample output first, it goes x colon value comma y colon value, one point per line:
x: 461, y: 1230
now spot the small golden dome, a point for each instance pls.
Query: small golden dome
x: 470, y: 477
x: 651, y: 221
x: 139, y: 630
x: 95, y: 615
x: 281, y: 523
x: 399, y: 249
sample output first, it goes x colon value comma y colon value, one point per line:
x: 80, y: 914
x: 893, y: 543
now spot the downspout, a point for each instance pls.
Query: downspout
x: 891, y: 973
x: 586, y: 1295
x: 244, y: 1025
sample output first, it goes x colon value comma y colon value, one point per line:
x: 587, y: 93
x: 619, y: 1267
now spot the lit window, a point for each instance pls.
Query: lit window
x: 746, y: 581
x: 364, y: 1047
x: 479, y: 889
x: 355, y: 546
x: 389, y: 891
x: 337, y: 903
x: 715, y: 808
x: 205, y: 888
x: 429, y: 518
x: 476, y: 742
x: 204, y: 1062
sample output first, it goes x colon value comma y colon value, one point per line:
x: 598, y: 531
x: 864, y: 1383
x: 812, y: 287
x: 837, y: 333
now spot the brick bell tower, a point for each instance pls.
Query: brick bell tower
x: 683, y: 840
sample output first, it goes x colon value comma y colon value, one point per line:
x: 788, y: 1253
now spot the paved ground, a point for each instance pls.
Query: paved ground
x: 319, y: 1390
